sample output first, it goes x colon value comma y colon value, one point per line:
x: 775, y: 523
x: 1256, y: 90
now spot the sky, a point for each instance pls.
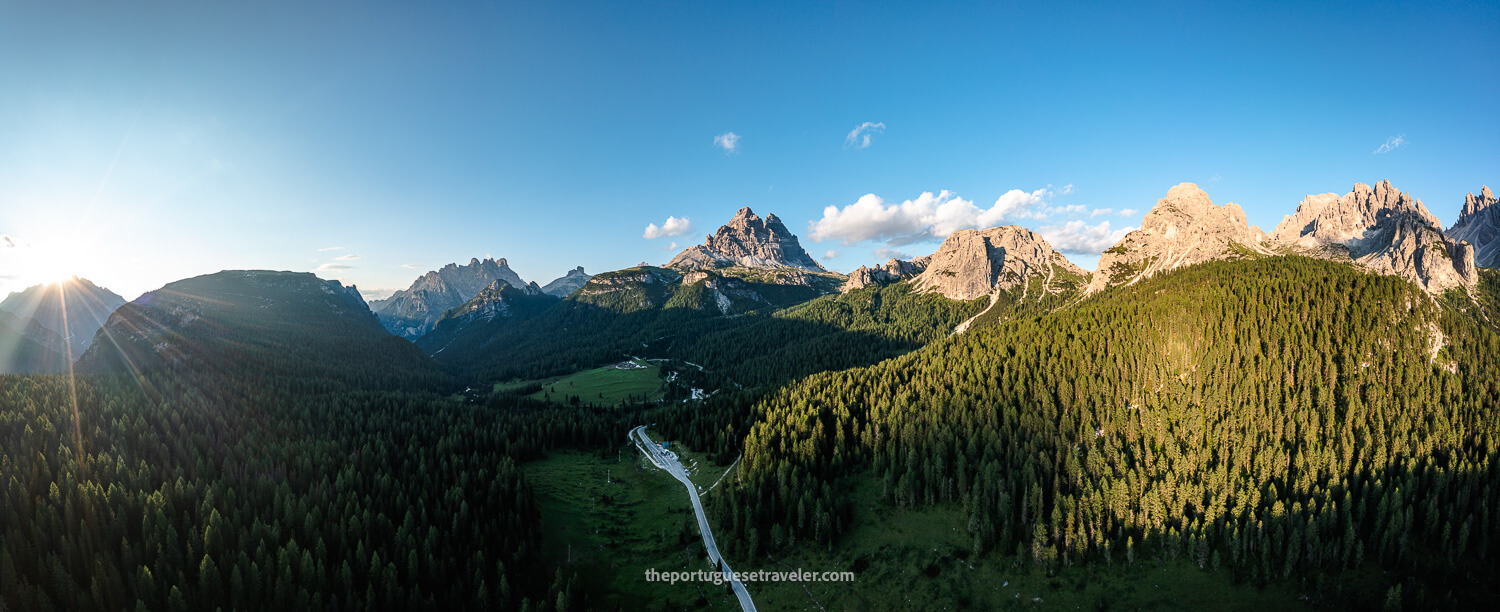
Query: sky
x: 142, y: 143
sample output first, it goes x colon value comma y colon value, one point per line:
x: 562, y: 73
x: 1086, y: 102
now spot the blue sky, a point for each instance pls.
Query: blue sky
x: 140, y: 144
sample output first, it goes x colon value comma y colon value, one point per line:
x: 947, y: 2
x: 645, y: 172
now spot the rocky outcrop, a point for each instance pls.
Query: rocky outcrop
x: 1383, y: 230
x: 1479, y: 225
x: 749, y: 241
x: 893, y: 271
x: 413, y: 311
x: 974, y: 263
x: 1183, y: 229
x: 727, y: 294
x: 567, y: 283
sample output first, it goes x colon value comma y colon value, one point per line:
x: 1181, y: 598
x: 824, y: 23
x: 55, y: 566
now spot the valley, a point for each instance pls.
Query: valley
x: 1208, y: 425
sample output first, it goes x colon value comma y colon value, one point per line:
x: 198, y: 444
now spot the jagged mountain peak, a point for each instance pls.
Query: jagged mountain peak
x: 750, y: 241
x: 1477, y: 204
x: 1383, y: 229
x: 1479, y: 225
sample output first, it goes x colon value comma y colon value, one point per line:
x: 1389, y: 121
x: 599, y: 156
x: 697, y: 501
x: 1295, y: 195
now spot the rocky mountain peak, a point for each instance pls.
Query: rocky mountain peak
x: 413, y: 311
x: 974, y: 263
x: 1345, y: 220
x: 1384, y: 230
x: 1184, y: 228
x: 749, y: 241
x: 567, y: 283
x: 1474, y: 205
x: 1479, y: 225
x: 1187, y: 208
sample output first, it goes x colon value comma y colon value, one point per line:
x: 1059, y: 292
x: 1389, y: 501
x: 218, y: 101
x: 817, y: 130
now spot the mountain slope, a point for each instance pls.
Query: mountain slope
x: 87, y: 308
x: 259, y: 325
x: 28, y: 348
x: 1479, y: 225
x: 1384, y: 230
x: 413, y: 311
x: 467, y: 328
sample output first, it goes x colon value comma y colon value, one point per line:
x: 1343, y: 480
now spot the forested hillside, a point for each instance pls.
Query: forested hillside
x: 236, y: 462
x: 765, y: 347
x: 1284, y: 418
x: 272, y: 330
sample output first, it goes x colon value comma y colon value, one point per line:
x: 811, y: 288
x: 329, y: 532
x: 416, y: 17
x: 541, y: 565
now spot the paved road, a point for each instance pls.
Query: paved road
x: 667, y: 460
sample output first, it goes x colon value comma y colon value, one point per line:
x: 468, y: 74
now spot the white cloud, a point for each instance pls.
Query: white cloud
x: 670, y: 247
x: 831, y: 254
x: 1101, y: 211
x: 1067, y: 189
x: 673, y: 226
x: 1078, y: 238
x: 729, y: 141
x: 412, y: 266
x: 1391, y: 144
x: 884, y: 253
x: 329, y: 249
x: 9, y: 242
x: 1128, y: 212
x: 859, y: 138
x: 349, y: 257
x: 332, y: 266
x: 927, y: 217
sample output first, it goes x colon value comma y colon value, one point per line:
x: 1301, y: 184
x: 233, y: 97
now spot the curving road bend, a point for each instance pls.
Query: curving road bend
x: 667, y: 460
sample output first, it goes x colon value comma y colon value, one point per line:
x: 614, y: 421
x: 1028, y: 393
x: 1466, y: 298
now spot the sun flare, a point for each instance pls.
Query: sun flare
x: 51, y: 260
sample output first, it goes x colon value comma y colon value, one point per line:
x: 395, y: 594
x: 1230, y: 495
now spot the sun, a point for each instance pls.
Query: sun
x: 53, y: 259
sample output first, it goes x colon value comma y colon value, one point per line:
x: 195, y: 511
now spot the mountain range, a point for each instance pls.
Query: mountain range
x: 1378, y: 228
x: 1296, y: 418
x: 752, y: 263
